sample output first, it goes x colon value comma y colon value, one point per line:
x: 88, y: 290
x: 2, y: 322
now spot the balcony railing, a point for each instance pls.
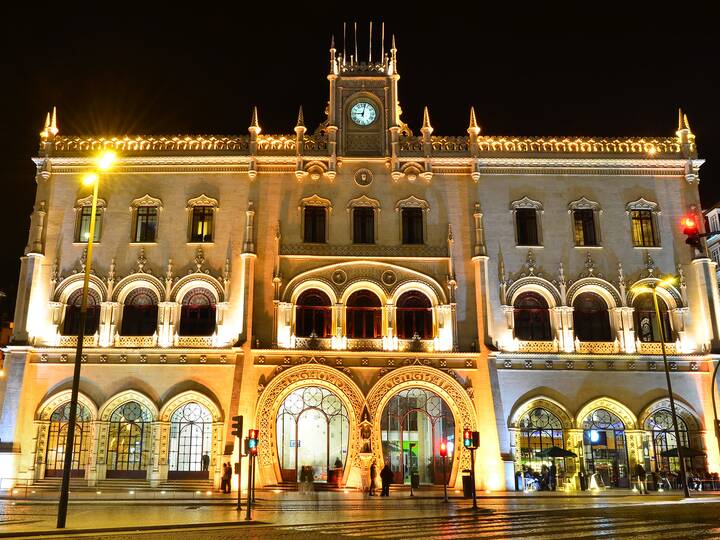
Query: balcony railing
x: 194, y: 341
x: 136, y: 341
x: 656, y: 348
x: 597, y: 347
x: 537, y: 346
x: 71, y: 341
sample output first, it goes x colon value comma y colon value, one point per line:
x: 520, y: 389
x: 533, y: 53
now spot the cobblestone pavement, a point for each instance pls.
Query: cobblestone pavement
x: 556, y: 519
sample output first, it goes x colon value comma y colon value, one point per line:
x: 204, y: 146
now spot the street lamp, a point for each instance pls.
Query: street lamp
x: 652, y: 288
x: 104, y: 162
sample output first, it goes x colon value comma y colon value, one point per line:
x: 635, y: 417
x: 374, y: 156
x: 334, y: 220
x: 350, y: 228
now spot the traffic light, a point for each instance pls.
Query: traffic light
x: 443, y: 449
x: 467, y: 438
x: 476, y: 439
x: 691, y: 231
x: 252, y: 441
x: 237, y: 426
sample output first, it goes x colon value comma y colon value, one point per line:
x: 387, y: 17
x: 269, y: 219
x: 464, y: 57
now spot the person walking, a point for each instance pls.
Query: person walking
x: 640, y: 473
x: 386, y: 477
x: 227, y: 475
x: 373, y: 475
x: 553, y: 476
x: 205, y: 460
x: 222, y: 478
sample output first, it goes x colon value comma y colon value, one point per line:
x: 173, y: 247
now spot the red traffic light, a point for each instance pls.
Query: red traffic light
x: 467, y: 438
x: 443, y: 449
x: 689, y: 225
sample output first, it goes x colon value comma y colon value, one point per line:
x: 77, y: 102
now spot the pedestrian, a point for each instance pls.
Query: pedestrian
x: 386, y: 477
x: 544, y: 478
x: 373, y: 474
x: 640, y: 473
x: 228, y: 475
x: 205, y: 461
x: 223, y: 481
x: 553, y: 476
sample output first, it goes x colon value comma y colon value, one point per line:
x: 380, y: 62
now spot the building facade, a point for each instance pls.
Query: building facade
x: 361, y: 293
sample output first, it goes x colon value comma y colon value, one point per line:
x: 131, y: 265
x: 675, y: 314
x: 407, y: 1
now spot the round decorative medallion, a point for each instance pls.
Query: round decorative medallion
x: 339, y: 277
x: 388, y: 277
x: 363, y: 177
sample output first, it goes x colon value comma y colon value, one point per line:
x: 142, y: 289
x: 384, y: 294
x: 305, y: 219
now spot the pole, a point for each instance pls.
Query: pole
x: 683, y: 472
x: 472, y: 469
x: 444, y: 480
x: 248, y: 514
x: 712, y: 393
x: 253, y: 459
x: 70, y: 439
x: 239, y: 468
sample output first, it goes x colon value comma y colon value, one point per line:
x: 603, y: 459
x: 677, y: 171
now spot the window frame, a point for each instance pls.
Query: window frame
x: 146, y: 201
x: 642, y: 205
x: 364, y: 202
x: 585, y: 205
x: 80, y: 207
x: 412, y: 203
x: 528, y: 204
x: 206, y: 203
x: 315, y: 201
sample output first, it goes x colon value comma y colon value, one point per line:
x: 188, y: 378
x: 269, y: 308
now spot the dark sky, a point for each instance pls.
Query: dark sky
x: 586, y: 70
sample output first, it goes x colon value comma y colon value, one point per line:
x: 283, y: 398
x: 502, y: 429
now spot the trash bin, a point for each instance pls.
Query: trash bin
x: 467, y: 484
x: 415, y: 480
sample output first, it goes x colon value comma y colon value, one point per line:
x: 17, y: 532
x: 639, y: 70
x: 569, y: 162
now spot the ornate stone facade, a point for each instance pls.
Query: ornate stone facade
x: 363, y: 261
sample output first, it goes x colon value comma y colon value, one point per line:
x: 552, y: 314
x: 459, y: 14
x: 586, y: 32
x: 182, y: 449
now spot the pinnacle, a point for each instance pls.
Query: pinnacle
x: 473, y: 120
x: 300, y: 119
x: 426, y: 119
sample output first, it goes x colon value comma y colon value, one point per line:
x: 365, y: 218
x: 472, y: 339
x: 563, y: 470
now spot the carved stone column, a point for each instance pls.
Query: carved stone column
x: 634, y: 438
x: 57, y: 316
x: 564, y: 328
x: 102, y: 439
x: 479, y: 247
x: 167, y: 320
x: 110, y: 313
x: 163, y: 446
x: 574, y: 443
x: 285, y: 325
x: 37, y: 227
x: 223, y: 334
x: 624, y: 328
x: 155, y: 453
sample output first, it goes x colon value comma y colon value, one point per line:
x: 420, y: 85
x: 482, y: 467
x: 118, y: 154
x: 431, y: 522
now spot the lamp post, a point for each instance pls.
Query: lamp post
x: 652, y: 287
x: 104, y: 163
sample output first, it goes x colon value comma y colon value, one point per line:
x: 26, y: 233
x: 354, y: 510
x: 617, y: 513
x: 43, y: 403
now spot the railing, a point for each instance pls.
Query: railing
x: 653, y: 347
x: 416, y: 345
x: 71, y: 341
x: 356, y: 344
x: 136, y: 341
x: 194, y: 341
x: 537, y: 346
x: 313, y: 343
x: 597, y: 347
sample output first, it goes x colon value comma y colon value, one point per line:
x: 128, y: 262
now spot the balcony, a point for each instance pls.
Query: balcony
x: 198, y: 342
x: 136, y: 341
x: 537, y: 346
x: 597, y: 347
x: 71, y: 341
x: 652, y: 347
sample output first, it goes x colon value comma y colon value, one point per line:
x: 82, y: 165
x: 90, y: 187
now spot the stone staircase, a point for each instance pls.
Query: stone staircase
x: 118, y: 485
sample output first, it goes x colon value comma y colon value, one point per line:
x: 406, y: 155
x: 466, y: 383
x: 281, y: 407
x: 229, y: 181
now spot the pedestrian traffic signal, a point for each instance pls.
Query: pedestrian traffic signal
x: 476, y: 439
x: 237, y: 426
x: 252, y: 441
x: 691, y: 231
x: 443, y: 449
x: 467, y: 438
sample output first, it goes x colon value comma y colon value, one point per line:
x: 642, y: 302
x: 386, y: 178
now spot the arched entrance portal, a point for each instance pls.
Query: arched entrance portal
x: 413, y: 424
x: 190, y: 442
x: 605, y: 449
x: 312, y: 430
x: 57, y: 439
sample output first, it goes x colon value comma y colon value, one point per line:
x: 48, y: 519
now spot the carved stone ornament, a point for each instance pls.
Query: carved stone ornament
x: 339, y: 277
x: 202, y: 200
x: 389, y: 277
x: 363, y: 177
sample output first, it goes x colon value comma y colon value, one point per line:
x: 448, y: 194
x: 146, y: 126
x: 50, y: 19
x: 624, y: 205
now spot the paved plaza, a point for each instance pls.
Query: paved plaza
x: 350, y: 515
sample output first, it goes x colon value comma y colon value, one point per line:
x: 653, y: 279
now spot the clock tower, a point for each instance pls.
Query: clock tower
x: 363, y: 111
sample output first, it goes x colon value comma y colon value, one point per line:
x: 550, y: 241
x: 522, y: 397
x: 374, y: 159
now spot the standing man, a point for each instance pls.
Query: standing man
x: 386, y: 477
x: 373, y: 475
x: 223, y: 480
x: 205, y: 461
x: 227, y: 475
x: 640, y: 473
x: 553, y: 476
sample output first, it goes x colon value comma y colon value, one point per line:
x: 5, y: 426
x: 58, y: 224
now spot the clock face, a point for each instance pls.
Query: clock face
x: 363, y: 113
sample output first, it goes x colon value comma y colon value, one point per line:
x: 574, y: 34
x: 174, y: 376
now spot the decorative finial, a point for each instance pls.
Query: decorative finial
x: 686, y: 123
x: 332, y: 42
x: 649, y: 264
x: 473, y: 120
x: 111, y: 271
x: 226, y: 270
x: 393, y: 48
x: 561, y: 274
x: 53, y: 123
x: 621, y: 275
x: 501, y: 267
x: 46, y: 129
x: 199, y: 259
x: 589, y: 264
x: 141, y: 260
x: 680, y: 119
x: 83, y: 259
x: 530, y: 262
x: 301, y: 118
x: 169, y: 272
x: 254, y: 125
x: 426, y: 119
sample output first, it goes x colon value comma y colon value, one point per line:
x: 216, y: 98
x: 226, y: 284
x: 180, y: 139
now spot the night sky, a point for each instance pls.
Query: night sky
x: 527, y: 71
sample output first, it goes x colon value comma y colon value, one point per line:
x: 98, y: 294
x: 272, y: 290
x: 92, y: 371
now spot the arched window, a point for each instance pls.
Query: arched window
x: 412, y: 425
x: 312, y: 430
x: 532, y: 318
x: 129, y: 445
x: 363, y: 313
x: 662, y: 431
x: 197, y: 315
x: 591, y: 318
x: 605, y: 449
x: 647, y: 328
x: 539, y: 430
x: 190, y: 440
x: 313, y: 314
x: 140, y: 313
x: 71, y: 325
x: 57, y: 439
x: 414, y: 316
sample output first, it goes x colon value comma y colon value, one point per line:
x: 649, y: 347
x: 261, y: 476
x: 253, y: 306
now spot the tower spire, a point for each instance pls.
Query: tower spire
x: 426, y: 120
x: 680, y: 119
x: 370, y: 46
x: 355, y: 32
x: 473, y: 128
x: 53, y: 122
x: 254, y: 125
x: 300, y: 119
